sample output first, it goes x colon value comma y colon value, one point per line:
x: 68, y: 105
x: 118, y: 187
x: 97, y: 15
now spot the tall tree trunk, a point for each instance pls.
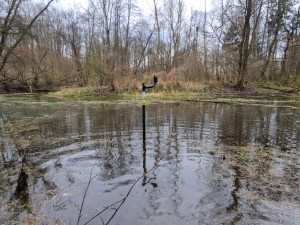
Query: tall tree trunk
x: 283, y: 62
x: 205, y: 44
x: 158, y: 47
x: 126, y: 57
x: 244, y: 47
x: 273, y: 45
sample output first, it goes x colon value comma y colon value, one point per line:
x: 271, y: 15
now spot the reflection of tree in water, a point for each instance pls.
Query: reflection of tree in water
x: 10, y: 155
x: 178, y: 130
x: 178, y: 199
x: 236, y: 125
x: 167, y: 143
x: 241, y: 125
x: 269, y: 173
x: 218, y: 190
x: 115, y: 157
x: 26, y: 134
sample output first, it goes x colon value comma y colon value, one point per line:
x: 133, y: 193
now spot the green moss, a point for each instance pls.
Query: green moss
x: 81, y: 96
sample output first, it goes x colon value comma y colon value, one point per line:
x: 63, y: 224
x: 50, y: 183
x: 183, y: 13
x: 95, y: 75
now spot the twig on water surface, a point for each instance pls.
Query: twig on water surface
x: 121, y: 200
x: 86, y: 189
x: 102, y: 221
x: 106, y: 208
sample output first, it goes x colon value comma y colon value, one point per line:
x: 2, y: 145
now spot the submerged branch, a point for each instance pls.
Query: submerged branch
x: 121, y: 200
x: 85, y: 192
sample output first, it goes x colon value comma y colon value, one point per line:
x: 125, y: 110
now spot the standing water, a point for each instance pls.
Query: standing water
x: 217, y: 163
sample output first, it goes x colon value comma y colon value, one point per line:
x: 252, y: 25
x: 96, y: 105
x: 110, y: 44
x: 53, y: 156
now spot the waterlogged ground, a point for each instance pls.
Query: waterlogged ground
x: 219, y: 163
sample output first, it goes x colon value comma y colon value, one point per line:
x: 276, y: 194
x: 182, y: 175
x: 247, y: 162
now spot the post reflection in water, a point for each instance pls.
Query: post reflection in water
x: 144, y: 161
x: 193, y: 184
x: 145, y: 178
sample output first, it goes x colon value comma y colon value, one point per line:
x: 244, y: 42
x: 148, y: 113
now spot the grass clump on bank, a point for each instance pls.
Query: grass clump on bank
x: 84, y: 93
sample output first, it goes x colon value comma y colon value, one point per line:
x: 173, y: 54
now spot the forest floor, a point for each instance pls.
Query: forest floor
x: 251, y: 94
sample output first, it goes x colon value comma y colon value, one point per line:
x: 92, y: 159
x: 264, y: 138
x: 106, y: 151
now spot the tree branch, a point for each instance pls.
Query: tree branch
x: 123, y: 199
x: 10, y: 50
x: 85, y: 192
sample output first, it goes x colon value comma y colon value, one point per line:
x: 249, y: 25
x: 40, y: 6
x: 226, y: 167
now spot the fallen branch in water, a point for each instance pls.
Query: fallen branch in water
x: 86, y: 189
x: 121, y: 200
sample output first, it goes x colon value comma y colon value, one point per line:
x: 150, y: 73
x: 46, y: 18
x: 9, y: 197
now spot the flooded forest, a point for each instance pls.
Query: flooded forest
x: 206, y: 146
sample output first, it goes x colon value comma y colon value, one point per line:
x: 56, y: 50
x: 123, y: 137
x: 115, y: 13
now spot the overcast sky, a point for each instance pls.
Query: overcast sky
x: 146, y: 5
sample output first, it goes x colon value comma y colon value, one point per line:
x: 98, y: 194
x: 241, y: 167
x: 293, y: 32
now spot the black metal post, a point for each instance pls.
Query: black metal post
x: 144, y: 122
x: 144, y: 87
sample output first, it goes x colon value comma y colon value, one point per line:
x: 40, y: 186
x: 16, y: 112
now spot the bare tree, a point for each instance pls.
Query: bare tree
x: 111, y: 41
x: 205, y: 43
x: 279, y: 13
x: 158, y: 47
x: 174, y: 10
x: 244, y: 45
x: 290, y: 29
x: 12, y: 33
x: 218, y: 27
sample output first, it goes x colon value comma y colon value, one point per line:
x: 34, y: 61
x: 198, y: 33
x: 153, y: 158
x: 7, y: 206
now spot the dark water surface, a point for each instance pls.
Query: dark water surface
x: 220, y: 164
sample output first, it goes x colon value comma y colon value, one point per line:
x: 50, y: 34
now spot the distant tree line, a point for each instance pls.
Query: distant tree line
x: 44, y: 46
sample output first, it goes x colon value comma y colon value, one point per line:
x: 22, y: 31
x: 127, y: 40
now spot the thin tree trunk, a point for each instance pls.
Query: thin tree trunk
x: 158, y: 48
x: 205, y: 44
x: 283, y: 62
x: 244, y: 47
x: 273, y: 45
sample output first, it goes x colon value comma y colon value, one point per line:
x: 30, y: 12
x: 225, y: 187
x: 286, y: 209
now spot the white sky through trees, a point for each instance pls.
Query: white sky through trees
x: 146, y: 5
